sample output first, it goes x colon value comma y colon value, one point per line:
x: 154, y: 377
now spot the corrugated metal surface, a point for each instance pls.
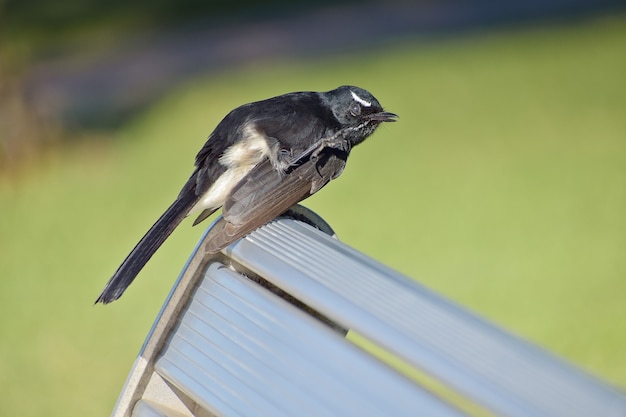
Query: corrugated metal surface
x: 500, y: 371
x: 241, y: 351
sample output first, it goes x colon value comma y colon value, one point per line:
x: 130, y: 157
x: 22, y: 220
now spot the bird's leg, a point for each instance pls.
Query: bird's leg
x: 336, y: 141
x: 280, y: 158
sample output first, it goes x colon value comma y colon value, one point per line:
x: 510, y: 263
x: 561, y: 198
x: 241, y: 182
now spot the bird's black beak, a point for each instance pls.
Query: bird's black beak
x: 383, y: 116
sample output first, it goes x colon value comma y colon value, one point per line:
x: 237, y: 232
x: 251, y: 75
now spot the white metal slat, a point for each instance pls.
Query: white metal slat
x: 246, y: 346
x: 492, y: 367
x: 280, y: 350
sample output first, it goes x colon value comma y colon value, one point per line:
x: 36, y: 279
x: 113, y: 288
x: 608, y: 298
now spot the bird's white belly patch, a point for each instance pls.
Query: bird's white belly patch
x: 238, y: 159
x: 248, y: 151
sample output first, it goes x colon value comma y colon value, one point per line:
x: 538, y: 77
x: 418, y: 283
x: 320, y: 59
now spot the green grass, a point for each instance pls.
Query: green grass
x: 503, y: 186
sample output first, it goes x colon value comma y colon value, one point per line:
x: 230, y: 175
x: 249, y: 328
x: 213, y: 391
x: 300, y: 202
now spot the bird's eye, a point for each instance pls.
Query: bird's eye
x: 355, y: 110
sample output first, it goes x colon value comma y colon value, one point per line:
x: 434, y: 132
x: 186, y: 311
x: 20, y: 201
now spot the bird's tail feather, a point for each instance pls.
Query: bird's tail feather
x: 146, y: 247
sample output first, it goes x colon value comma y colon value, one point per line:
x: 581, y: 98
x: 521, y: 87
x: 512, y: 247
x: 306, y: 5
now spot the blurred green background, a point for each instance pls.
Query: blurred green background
x: 503, y: 186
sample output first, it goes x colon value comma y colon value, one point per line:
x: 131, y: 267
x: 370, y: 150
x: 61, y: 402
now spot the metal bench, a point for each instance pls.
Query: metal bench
x: 259, y: 330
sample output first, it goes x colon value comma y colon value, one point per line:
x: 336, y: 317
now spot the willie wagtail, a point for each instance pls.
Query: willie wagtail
x: 260, y: 160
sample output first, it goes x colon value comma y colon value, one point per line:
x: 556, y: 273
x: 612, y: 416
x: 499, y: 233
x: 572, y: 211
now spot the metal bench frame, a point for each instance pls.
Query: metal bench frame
x: 259, y: 330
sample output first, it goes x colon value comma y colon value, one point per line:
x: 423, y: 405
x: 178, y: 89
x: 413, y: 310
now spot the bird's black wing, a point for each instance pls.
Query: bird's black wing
x: 264, y: 194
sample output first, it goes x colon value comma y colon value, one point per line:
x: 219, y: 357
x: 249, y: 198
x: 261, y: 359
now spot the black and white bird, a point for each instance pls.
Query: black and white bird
x: 260, y: 160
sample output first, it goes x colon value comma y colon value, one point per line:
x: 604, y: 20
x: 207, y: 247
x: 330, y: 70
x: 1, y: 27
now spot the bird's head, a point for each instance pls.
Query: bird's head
x: 354, y: 106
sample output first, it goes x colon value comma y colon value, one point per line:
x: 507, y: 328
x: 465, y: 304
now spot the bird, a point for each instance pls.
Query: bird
x: 260, y: 160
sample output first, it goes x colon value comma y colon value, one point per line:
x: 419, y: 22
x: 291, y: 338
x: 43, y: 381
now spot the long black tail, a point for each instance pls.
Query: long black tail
x: 146, y: 247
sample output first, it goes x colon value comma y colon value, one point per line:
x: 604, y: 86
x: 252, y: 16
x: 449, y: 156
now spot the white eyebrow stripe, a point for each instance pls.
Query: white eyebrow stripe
x: 360, y: 100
